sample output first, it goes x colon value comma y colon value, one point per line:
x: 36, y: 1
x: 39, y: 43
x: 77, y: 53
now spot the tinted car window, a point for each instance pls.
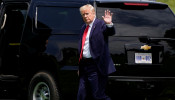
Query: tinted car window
x: 141, y: 20
x: 59, y: 19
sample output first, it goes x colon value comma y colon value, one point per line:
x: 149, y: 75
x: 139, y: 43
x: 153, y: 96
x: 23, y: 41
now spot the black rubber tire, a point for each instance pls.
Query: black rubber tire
x: 43, y: 85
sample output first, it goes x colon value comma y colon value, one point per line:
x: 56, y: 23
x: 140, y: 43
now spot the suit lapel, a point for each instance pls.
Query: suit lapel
x: 93, y: 27
x: 81, y: 34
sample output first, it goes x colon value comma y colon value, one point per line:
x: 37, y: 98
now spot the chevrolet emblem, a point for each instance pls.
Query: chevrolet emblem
x: 145, y: 47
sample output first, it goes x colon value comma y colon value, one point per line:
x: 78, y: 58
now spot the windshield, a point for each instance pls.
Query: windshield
x: 140, y: 21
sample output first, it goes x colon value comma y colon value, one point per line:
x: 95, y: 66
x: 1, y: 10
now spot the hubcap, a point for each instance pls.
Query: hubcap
x: 41, y: 92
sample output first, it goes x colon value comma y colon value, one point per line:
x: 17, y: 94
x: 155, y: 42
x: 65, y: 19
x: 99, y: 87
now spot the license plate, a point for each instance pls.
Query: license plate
x: 143, y: 58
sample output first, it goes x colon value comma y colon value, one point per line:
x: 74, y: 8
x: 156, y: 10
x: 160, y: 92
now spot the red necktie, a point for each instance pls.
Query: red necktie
x: 83, y: 41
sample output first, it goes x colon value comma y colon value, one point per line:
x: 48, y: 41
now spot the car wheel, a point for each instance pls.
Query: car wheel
x: 43, y: 87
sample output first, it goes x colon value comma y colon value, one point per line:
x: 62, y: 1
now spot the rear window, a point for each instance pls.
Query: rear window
x: 134, y: 19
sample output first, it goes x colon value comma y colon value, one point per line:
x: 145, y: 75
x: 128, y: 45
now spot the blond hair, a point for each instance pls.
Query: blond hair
x: 87, y: 6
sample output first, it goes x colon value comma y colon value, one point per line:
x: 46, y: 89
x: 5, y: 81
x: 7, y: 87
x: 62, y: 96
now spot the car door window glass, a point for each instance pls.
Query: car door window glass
x: 61, y: 20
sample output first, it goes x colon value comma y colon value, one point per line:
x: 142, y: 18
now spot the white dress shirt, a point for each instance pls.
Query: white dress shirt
x: 86, y: 48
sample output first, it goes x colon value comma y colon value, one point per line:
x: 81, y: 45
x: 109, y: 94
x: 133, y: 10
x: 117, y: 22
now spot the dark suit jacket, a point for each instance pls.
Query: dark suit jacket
x: 99, y: 46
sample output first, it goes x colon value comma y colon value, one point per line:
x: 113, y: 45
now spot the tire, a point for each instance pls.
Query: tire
x: 43, y: 87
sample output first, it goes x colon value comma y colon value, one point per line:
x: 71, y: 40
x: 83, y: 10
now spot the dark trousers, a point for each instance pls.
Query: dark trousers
x: 91, y: 84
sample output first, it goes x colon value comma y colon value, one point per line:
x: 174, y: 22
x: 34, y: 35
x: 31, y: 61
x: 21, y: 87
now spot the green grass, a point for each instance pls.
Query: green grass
x: 171, y: 4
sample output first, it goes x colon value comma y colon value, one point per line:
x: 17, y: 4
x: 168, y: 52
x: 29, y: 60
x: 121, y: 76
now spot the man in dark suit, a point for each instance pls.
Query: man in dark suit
x: 95, y: 62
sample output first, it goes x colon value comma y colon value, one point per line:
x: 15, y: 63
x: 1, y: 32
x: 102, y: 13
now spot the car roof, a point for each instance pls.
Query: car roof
x: 135, y: 1
x: 87, y: 0
x: 14, y: 0
x: 99, y: 1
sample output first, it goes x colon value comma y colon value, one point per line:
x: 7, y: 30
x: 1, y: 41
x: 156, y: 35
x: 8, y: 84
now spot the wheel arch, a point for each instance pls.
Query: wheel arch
x: 42, y: 63
x: 48, y: 64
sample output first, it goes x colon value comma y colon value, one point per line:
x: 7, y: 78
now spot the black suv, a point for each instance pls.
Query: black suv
x: 39, y: 56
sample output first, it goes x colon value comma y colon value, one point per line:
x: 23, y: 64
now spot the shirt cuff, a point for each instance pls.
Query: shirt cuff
x: 110, y: 25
